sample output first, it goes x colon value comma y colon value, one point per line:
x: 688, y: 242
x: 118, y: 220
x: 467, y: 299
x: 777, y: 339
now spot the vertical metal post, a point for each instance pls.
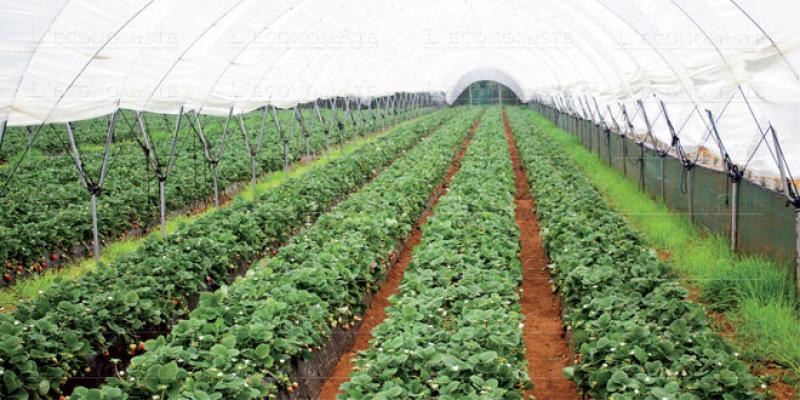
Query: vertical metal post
x: 95, y: 233
x: 162, y: 194
x: 324, y: 127
x: 641, y: 166
x: 734, y: 213
x: 797, y: 247
x: 2, y: 132
x: 218, y: 159
x: 216, y: 183
x: 663, y: 187
x: 790, y: 191
x: 690, y: 192
x: 284, y: 140
x: 253, y: 176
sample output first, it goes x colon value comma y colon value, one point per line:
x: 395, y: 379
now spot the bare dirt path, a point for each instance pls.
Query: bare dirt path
x: 546, y: 350
x: 376, y: 312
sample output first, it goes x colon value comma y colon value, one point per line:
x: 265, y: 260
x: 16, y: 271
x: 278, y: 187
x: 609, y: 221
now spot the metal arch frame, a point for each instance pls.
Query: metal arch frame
x: 732, y: 1
x: 188, y: 48
x: 768, y: 36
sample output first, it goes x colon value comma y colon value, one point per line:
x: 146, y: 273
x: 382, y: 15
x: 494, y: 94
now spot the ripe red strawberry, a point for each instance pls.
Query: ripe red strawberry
x: 7, y: 277
x: 54, y: 257
x: 106, y: 354
x: 295, y: 385
x: 140, y: 347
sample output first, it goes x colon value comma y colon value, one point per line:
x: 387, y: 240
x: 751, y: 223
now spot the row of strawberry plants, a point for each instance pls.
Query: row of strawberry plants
x: 45, y: 213
x: 454, y: 332
x: 51, y: 139
x: 50, y: 339
x: 636, y: 334
x: 242, y: 342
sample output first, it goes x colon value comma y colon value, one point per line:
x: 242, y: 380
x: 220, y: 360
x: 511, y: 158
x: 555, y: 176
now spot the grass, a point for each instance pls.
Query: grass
x: 31, y: 287
x: 757, y: 295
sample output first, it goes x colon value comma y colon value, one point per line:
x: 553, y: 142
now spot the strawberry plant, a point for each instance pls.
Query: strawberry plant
x: 636, y: 334
x: 243, y: 340
x: 45, y: 210
x: 54, y: 337
x: 454, y: 332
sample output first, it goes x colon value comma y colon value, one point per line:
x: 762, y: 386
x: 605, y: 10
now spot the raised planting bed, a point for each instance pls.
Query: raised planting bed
x: 260, y: 336
x: 53, y: 338
x: 636, y: 334
x: 454, y: 331
x: 45, y: 215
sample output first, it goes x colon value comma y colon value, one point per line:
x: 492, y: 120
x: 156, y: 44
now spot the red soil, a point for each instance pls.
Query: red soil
x: 376, y: 312
x: 546, y: 350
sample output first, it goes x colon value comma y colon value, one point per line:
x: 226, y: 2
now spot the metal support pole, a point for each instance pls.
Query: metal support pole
x: 663, y: 187
x: 95, y: 233
x: 253, y: 182
x: 734, y: 213
x: 215, y: 166
x: 219, y: 158
x: 93, y: 188
x: 335, y: 122
x: 303, y: 129
x: 162, y: 195
x: 690, y: 193
x: 283, y: 138
x: 797, y: 247
x: 624, y: 148
x: 324, y: 127
x: 641, y: 166
x: 363, y: 118
x: 2, y: 132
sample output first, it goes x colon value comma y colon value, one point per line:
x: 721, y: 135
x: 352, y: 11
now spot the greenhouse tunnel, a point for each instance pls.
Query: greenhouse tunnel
x: 170, y: 167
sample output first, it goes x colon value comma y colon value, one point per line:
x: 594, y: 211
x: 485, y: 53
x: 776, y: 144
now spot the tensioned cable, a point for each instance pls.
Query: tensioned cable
x: 188, y: 48
x: 767, y: 35
x: 71, y: 84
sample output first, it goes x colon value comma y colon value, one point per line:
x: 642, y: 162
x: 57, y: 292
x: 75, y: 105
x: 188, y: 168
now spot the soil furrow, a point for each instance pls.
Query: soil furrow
x: 546, y: 349
x: 376, y: 312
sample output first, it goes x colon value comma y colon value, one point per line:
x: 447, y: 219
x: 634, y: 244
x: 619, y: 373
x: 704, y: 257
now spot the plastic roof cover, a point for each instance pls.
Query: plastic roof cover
x: 76, y: 59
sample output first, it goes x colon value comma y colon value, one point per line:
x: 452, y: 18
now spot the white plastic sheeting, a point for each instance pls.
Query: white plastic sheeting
x: 76, y: 59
